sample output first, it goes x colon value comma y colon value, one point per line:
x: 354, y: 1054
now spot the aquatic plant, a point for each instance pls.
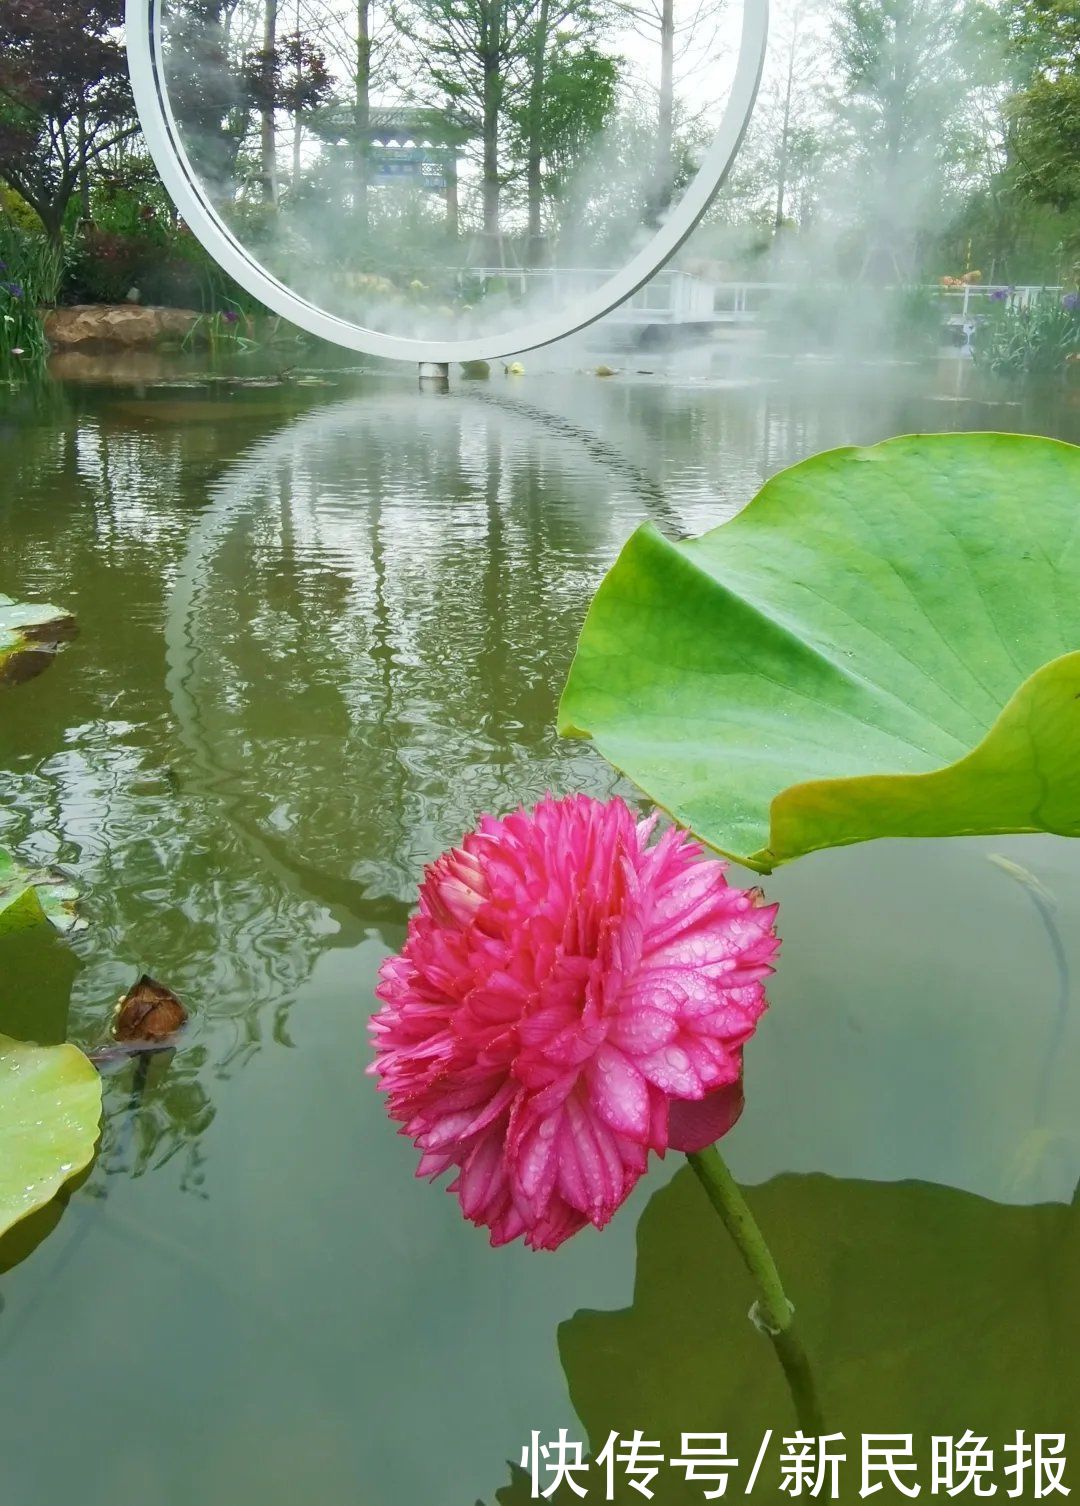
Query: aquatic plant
x: 569, y: 997
x: 50, y: 1109
x: 30, y: 272
x: 50, y: 1096
x: 219, y: 329
x: 30, y: 896
x: 30, y: 634
x: 1029, y: 339
x: 897, y: 1267
x: 884, y: 643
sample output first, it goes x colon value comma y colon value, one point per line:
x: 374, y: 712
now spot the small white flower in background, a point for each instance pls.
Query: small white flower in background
x: 17, y: 350
x: 8, y: 319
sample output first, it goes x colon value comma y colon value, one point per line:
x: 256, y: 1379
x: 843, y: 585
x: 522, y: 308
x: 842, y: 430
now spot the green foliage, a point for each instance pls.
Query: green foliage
x: 1046, y: 113
x: 901, y: 158
x: 20, y: 910
x: 1048, y: 118
x: 579, y: 97
x: 65, y: 101
x: 883, y: 644
x: 1036, y: 339
x: 50, y: 1110
x: 50, y: 1096
x: 52, y: 897
x: 134, y: 244
x: 30, y: 271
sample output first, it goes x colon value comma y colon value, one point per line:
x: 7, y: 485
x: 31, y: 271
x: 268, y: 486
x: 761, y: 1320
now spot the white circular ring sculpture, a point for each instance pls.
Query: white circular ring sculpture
x: 146, y: 63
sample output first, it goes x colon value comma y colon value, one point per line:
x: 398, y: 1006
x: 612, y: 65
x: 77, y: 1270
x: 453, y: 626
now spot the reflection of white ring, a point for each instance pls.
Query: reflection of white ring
x: 145, y: 59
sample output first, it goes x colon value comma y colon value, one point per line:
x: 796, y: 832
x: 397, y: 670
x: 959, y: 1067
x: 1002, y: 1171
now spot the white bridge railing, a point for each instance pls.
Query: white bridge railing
x: 676, y: 297
x: 671, y: 297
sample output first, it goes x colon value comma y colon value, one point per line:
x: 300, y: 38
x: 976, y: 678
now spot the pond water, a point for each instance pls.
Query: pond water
x: 321, y: 628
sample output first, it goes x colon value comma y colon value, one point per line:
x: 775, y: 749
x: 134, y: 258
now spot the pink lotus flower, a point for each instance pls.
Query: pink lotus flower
x: 568, y: 998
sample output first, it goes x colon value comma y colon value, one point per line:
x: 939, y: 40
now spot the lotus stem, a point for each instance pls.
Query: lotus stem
x: 772, y: 1312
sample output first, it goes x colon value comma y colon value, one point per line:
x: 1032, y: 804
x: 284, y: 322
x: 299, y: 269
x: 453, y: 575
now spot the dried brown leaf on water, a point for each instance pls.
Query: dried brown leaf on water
x: 148, y: 1012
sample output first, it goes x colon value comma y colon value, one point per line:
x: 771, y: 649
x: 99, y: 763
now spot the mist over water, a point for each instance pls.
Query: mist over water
x: 325, y: 618
x: 412, y: 202
x: 320, y: 629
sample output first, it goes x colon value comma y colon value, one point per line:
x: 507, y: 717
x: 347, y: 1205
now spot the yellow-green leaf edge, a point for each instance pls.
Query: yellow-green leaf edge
x: 50, y: 1115
x: 791, y: 680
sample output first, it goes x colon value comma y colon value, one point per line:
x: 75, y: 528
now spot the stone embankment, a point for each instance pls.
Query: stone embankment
x: 120, y: 326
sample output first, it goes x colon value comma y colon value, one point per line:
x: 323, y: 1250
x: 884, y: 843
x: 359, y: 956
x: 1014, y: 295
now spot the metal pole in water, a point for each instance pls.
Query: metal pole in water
x: 434, y: 375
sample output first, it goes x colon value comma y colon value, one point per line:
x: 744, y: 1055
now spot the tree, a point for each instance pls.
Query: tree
x: 1046, y: 113
x: 337, y: 53
x: 294, y: 78
x: 901, y: 97
x: 213, y: 85
x: 65, y: 101
x: 268, y: 60
x: 569, y: 95
x: 475, y: 55
x: 686, y: 34
x: 579, y: 96
x: 795, y: 103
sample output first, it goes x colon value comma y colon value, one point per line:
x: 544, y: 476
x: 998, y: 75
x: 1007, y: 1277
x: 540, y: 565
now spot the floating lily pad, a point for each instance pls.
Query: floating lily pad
x: 884, y: 643
x: 30, y: 635
x: 50, y: 1110
x: 29, y: 896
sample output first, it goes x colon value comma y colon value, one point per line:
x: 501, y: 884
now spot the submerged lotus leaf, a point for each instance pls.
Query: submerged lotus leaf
x: 922, y: 1309
x: 884, y: 643
x: 50, y: 1110
x: 30, y: 634
x: 29, y: 896
x: 20, y: 910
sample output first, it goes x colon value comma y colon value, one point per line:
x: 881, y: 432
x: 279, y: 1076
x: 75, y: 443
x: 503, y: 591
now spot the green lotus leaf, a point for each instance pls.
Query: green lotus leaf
x: 29, y: 896
x: 50, y: 1110
x: 20, y: 910
x: 30, y: 634
x: 884, y: 643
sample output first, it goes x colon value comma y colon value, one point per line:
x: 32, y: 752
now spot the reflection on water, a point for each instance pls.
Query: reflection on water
x: 996, y: 1283
x: 320, y: 630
